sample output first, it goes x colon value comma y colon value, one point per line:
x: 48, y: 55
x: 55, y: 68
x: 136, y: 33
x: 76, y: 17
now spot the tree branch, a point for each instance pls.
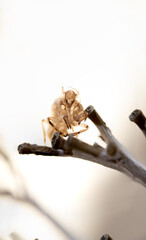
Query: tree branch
x: 27, y: 148
x: 105, y: 237
x: 28, y: 199
x: 114, y: 156
x: 139, y: 119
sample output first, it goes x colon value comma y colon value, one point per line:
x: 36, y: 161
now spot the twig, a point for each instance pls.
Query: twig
x: 139, y: 119
x: 21, y: 193
x: 106, y: 237
x: 28, y: 199
x: 27, y: 148
x: 114, y: 156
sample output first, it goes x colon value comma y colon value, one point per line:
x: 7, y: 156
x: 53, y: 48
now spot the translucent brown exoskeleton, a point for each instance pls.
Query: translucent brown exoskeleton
x: 66, y: 113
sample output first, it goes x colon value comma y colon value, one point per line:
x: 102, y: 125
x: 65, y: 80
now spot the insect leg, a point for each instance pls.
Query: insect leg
x: 83, y: 116
x: 83, y: 130
x: 56, y: 129
x: 68, y: 124
x: 65, y: 118
x: 44, y: 132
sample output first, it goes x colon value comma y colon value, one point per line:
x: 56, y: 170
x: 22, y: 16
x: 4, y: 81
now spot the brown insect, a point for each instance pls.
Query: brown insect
x: 67, y: 113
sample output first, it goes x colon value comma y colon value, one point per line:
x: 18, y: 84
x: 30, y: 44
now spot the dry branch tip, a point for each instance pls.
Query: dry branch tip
x: 139, y: 119
x: 106, y: 237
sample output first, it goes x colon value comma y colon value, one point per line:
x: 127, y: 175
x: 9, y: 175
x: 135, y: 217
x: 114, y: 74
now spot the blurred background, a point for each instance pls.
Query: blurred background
x: 98, y: 48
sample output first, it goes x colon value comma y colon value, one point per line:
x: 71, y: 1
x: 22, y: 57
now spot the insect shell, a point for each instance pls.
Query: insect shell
x: 66, y: 113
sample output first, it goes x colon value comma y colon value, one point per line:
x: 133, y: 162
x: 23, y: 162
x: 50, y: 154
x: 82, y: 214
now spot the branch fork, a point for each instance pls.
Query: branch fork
x: 114, y: 156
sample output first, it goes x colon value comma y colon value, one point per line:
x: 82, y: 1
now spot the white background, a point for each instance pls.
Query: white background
x: 99, y: 48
